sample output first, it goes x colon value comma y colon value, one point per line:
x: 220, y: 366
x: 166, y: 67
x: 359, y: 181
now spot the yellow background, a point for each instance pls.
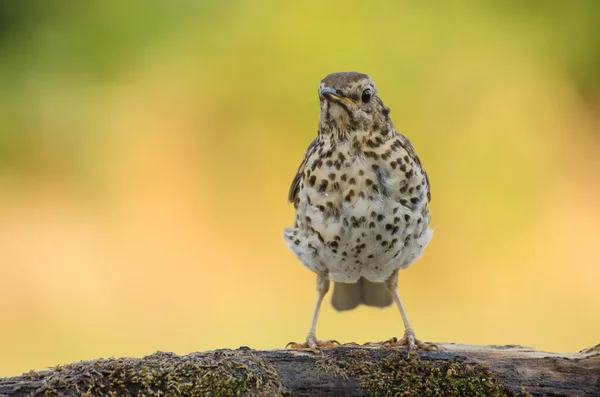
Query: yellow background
x: 146, y: 150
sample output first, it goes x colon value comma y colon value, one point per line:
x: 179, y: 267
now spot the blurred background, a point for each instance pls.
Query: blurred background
x: 146, y: 150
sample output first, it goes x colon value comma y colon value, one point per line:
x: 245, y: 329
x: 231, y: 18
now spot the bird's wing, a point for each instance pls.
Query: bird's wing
x: 295, y: 187
x: 413, y: 153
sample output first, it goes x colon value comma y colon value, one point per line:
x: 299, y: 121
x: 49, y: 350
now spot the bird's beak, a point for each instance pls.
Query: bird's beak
x: 329, y: 91
x: 331, y: 94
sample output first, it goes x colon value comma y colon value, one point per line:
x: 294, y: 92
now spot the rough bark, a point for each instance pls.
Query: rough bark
x: 461, y: 370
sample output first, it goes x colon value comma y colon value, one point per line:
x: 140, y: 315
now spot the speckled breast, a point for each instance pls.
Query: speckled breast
x: 361, y: 214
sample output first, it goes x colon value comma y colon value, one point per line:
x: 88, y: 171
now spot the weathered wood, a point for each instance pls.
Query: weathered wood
x: 342, y: 371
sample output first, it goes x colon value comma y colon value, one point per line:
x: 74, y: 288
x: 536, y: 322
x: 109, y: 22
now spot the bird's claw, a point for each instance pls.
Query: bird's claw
x: 313, y: 344
x: 408, y: 340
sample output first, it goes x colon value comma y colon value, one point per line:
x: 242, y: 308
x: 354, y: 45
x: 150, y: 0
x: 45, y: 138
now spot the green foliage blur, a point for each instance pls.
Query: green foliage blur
x: 62, y: 48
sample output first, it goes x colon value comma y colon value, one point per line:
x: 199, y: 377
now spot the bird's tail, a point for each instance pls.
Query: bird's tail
x: 348, y: 296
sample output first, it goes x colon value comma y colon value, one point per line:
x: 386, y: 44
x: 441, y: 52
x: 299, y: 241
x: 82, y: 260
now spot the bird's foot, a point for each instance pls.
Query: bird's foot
x: 313, y: 344
x: 410, y: 341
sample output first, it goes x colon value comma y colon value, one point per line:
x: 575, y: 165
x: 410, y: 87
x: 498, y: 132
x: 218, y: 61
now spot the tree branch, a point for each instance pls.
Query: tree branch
x: 460, y: 370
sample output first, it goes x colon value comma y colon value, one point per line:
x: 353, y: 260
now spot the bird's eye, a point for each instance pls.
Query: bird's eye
x: 366, y: 95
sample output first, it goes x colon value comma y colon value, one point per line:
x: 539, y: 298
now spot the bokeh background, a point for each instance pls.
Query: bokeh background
x: 146, y: 150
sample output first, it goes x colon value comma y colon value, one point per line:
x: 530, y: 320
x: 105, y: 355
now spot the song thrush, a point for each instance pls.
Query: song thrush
x: 361, y: 198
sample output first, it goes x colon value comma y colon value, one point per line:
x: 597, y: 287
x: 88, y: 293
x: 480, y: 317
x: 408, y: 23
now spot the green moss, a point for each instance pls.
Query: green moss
x: 218, y: 373
x: 392, y: 373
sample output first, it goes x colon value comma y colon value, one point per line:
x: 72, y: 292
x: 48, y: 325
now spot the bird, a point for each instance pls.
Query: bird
x: 361, y: 197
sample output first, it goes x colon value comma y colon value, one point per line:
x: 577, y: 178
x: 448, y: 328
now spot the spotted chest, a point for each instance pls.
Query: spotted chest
x: 361, y: 209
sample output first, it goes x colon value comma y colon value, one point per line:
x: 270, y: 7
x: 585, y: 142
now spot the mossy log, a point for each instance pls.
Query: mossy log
x: 454, y: 370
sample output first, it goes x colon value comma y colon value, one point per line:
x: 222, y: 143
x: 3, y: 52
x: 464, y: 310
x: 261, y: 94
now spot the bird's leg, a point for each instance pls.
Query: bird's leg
x: 409, y: 338
x: 311, y: 339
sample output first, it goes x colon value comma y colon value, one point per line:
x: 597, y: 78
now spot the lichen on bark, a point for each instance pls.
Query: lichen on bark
x: 393, y: 373
x: 218, y: 373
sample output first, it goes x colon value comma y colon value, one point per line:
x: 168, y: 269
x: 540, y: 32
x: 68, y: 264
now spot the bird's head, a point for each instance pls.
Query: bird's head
x: 349, y: 103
